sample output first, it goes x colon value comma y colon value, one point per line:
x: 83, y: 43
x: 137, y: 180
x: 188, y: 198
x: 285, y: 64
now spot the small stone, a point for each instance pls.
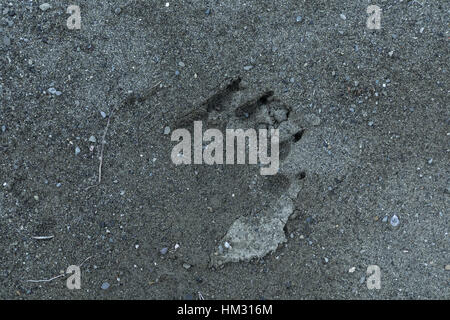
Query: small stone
x: 58, y: 185
x: 92, y: 139
x: 181, y: 64
x: 45, y: 6
x: 77, y: 150
x: 391, y: 53
x: 52, y: 90
x: 430, y: 161
x: 166, y: 130
x: 395, y: 221
x: 227, y: 245
x: 343, y: 17
x: 117, y: 11
x: 313, y: 119
x: 370, y: 123
x: 325, y: 259
x: 352, y: 269
x: 6, y: 41
x: 105, y: 286
x: 385, y: 219
x: 447, y: 267
x: 177, y: 73
x: 3, y: 128
x: 187, y: 266
x: 298, y: 19
x: 163, y: 251
x: 103, y: 114
x: 248, y: 68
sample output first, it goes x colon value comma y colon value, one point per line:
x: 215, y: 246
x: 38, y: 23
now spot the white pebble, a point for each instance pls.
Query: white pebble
x: 45, y: 6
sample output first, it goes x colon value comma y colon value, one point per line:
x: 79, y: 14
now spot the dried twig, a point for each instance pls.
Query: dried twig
x: 103, y: 148
x: 58, y: 276
x: 47, y: 280
x: 85, y: 261
x: 101, y: 153
x: 43, y: 237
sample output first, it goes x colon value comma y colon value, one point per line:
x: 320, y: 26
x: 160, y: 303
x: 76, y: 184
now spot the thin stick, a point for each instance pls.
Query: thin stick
x: 43, y: 237
x: 103, y: 148
x: 47, y: 280
x: 85, y: 261
x: 56, y: 277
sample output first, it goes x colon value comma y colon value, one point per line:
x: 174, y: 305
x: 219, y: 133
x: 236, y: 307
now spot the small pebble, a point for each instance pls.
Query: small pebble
x: 298, y: 19
x: 313, y: 119
x: 117, y: 11
x: 77, y: 151
x: 166, y: 130
x: 103, y: 114
x: 181, y: 64
x: 6, y: 41
x: 343, y: 17
x: 352, y: 269
x: 3, y: 128
x: 92, y: 139
x: 187, y: 266
x: 45, y: 6
x: 247, y: 68
x: 105, y: 286
x: 177, y: 72
x: 163, y: 251
x: 385, y: 219
x: 395, y: 221
x: 447, y: 267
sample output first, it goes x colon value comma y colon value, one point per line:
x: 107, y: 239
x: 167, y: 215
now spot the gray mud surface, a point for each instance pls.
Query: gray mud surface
x: 369, y: 140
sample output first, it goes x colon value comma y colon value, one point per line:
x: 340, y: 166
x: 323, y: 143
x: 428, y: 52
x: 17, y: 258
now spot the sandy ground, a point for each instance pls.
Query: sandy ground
x: 373, y: 105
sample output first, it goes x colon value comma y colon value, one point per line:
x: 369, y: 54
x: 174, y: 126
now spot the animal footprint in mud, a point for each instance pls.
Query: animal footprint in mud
x: 233, y: 107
